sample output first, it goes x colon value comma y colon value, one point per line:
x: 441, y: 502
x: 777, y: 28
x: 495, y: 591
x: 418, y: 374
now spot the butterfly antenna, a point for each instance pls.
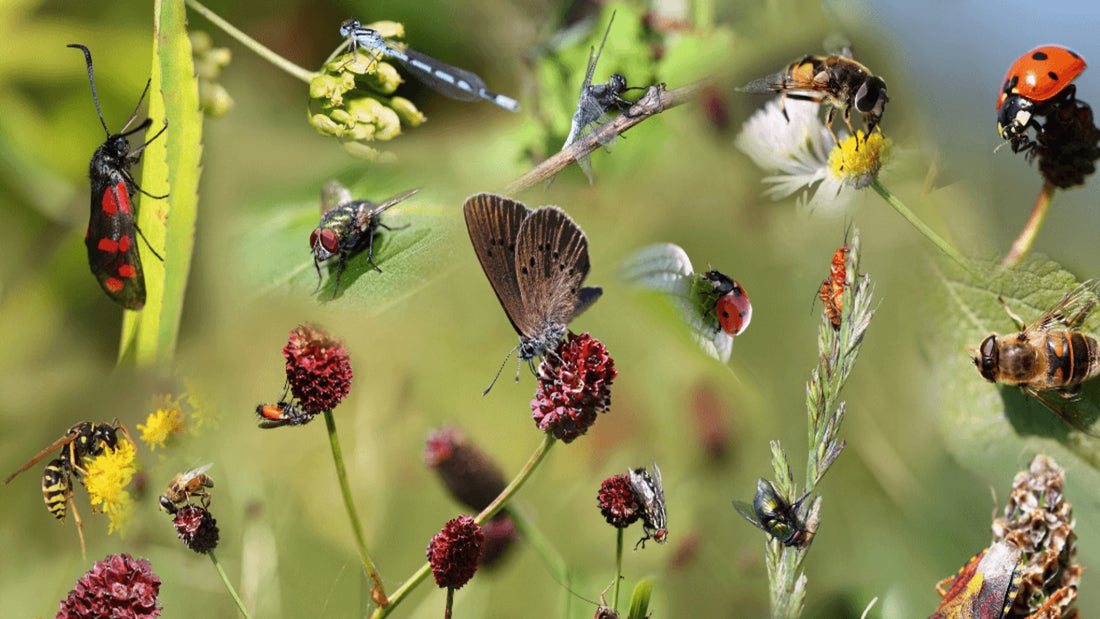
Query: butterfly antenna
x: 501, y: 369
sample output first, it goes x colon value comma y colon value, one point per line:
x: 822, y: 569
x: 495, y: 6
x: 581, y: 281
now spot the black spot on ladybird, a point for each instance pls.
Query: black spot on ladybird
x: 1039, y: 56
x: 1052, y: 75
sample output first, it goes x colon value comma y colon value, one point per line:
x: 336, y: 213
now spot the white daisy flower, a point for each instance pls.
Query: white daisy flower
x: 797, y: 149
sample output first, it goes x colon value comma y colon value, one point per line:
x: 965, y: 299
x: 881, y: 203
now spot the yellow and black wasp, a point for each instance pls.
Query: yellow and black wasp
x: 83, y: 440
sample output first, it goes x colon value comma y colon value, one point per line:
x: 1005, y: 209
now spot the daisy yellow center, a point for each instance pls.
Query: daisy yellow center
x: 857, y: 159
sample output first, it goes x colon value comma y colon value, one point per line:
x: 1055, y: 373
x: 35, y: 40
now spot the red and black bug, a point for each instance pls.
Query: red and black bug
x: 832, y: 288
x: 112, y: 247
x: 282, y: 413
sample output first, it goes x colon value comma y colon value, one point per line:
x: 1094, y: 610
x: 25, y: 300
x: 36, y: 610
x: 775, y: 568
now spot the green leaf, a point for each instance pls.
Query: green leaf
x: 639, y: 600
x: 276, y: 256
x: 171, y: 165
x: 991, y: 427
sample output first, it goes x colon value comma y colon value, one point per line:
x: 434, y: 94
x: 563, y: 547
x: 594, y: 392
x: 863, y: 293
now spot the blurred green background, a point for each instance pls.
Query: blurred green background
x: 900, y: 512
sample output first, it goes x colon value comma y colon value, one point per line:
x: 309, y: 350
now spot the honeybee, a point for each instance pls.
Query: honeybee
x: 1039, y: 359
x: 83, y: 440
x: 187, y: 485
x: 838, y: 80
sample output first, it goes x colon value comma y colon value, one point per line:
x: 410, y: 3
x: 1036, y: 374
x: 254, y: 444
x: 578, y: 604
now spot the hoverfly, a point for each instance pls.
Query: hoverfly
x: 1040, y: 359
x: 347, y: 227
x: 838, y: 80
x: 84, y: 440
x: 650, y: 494
x: 771, y: 513
x: 187, y: 485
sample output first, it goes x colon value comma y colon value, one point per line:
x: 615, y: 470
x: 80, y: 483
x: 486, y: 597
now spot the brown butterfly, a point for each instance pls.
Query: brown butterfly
x: 536, y: 262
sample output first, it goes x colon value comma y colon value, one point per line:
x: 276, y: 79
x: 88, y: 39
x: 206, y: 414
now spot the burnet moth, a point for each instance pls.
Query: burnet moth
x: 536, y: 262
x: 112, y: 245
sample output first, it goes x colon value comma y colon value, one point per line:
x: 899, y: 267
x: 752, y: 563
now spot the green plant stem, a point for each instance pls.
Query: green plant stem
x: 378, y: 594
x: 450, y: 603
x: 228, y: 586
x: 490, y: 511
x: 252, y: 44
x: 517, y: 483
x: 921, y: 227
x: 618, y: 567
x: 1023, y: 243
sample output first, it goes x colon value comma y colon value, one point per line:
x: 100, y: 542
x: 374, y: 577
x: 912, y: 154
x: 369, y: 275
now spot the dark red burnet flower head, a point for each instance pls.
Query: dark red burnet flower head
x: 453, y: 553
x: 500, y: 536
x: 117, y: 586
x: 469, y: 474
x: 1067, y: 145
x: 197, y: 528
x: 618, y: 503
x: 318, y: 369
x: 574, y: 387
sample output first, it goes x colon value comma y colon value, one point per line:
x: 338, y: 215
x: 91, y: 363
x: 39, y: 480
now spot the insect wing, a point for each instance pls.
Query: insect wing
x: 112, y: 243
x: 493, y: 223
x: 651, y: 494
x: 333, y: 194
x: 369, y: 210
x: 551, y: 262
x: 1070, y: 309
x: 58, y: 444
x: 195, y: 472
x: 776, y: 82
x: 748, y: 513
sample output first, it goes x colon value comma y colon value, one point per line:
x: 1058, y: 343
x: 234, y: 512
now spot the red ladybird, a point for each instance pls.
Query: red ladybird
x: 1034, y: 83
x: 732, y: 306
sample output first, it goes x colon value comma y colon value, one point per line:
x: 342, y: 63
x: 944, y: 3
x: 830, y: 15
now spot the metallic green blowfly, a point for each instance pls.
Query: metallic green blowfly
x: 347, y: 227
x: 771, y: 513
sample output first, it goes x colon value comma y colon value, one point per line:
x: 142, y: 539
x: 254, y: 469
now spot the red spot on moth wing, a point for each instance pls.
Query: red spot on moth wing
x: 110, y: 200
x: 127, y: 270
x: 113, y: 284
x: 122, y: 193
x: 108, y: 245
x: 124, y: 243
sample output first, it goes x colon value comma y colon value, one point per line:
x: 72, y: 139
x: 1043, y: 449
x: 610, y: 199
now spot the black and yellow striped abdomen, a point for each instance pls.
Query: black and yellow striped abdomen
x: 1072, y: 358
x: 57, y: 487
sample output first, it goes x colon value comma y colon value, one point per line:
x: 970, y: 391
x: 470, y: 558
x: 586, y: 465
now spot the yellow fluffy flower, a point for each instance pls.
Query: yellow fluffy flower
x: 857, y: 160
x: 162, y: 425
x: 106, y: 479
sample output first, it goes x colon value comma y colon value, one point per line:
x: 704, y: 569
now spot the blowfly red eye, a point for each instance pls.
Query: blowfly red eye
x: 328, y: 240
x: 313, y: 238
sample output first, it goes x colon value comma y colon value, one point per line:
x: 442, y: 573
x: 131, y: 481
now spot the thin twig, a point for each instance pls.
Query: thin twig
x: 655, y: 101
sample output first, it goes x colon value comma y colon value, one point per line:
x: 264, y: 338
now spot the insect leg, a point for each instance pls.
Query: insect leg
x: 370, y: 251
x: 147, y: 245
x: 79, y: 523
x: 339, y: 271
x: 1015, y: 318
x: 829, y: 125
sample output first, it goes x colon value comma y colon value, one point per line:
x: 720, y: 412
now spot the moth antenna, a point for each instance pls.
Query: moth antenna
x: 91, y: 78
x: 501, y: 369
